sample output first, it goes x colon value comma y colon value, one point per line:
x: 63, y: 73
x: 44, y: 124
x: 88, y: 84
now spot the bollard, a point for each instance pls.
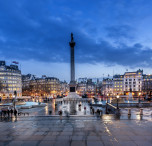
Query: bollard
x: 129, y: 111
x: 141, y: 111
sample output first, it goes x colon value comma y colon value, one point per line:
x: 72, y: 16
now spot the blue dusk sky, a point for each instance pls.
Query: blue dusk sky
x: 111, y: 36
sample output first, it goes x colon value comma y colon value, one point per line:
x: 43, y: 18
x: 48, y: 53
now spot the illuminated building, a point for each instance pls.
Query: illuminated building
x: 87, y: 86
x: 44, y: 86
x: 10, y: 80
x: 107, y: 87
x: 118, y: 84
x: 26, y: 86
x: 147, y: 84
x: 133, y: 81
x: 64, y: 88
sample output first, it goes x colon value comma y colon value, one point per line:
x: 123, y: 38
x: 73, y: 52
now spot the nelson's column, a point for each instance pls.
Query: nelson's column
x: 72, y: 84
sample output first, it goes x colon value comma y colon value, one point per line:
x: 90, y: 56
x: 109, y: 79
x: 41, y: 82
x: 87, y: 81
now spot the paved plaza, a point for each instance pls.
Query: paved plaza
x: 40, y: 128
x: 75, y: 131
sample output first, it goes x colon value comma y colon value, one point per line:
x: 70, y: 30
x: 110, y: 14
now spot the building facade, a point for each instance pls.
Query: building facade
x: 89, y: 87
x: 147, y: 85
x: 133, y: 82
x: 118, y: 84
x: 64, y: 88
x: 44, y: 86
x: 107, y: 87
x: 26, y: 86
x: 10, y: 80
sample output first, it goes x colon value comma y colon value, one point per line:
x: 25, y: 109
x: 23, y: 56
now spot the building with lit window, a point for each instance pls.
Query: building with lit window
x: 133, y: 81
x: 107, y: 87
x: 26, y: 86
x: 89, y: 87
x: 10, y: 80
x: 44, y: 86
x: 118, y: 84
x: 82, y: 88
x: 64, y: 88
x: 147, y: 85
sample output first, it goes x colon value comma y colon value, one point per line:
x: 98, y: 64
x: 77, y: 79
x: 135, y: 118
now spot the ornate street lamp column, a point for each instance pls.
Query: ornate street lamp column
x: 117, y: 101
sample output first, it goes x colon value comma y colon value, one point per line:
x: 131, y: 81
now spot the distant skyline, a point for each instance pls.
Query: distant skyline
x: 111, y: 36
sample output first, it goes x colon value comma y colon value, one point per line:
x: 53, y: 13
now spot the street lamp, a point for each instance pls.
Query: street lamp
x: 15, y: 93
x: 107, y: 98
x: 117, y: 101
x: 139, y: 97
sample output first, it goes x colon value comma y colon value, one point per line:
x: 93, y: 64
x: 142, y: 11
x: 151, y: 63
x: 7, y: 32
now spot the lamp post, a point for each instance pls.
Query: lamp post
x: 107, y: 98
x: 139, y: 97
x: 15, y: 93
x: 117, y: 101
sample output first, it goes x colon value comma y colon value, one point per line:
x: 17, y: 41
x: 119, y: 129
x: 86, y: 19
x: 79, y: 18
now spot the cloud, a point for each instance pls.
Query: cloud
x: 40, y: 31
x: 119, y: 32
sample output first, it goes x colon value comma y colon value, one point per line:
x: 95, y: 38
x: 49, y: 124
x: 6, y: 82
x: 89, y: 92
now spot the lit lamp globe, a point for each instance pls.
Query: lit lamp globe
x: 117, y: 96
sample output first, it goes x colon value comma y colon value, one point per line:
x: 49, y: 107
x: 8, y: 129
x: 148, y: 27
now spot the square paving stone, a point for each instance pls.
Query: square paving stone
x: 143, y: 143
x: 138, y: 138
x: 47, y: 143
x: 63, y: 138
x: 80, y: 138
x: 107, y: 138
x: 121, y: 138
x: 62, y: 143
x: 49, y: 138
x: 79, y: 133
x: 30, y: 143
x: 66, y: 133
x: 94, y: 143
x: 93, y: 138
x: 36, y: 137
x: 111, y: 143
x: 6, y: 138
x: 15, y: 143
x: 39, y: 133
x: 21, y: 137
x: 127, y: 143
x: 78, y: 143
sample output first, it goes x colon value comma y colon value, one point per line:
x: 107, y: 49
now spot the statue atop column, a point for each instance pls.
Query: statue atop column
x: 72, y: 43
x: 72, y: 82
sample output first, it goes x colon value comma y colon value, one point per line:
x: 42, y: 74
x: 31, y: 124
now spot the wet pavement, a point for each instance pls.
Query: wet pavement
x: 82, y: 128
x: 75, y: 131
x: 71, y: 107
x: 74, y: 110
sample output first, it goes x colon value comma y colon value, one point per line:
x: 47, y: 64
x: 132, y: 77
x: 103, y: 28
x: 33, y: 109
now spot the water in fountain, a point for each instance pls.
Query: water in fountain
x: 130, y: 98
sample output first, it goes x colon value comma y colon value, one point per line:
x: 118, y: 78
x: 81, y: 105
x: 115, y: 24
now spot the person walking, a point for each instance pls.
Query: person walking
x: 1, y: 113
x: 60, y: 113
x: 8, y: 113
x: 11, y: 111
x: 15, y: 113
x: 93, y: 111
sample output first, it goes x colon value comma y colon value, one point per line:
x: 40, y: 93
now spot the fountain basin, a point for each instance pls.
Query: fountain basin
x: 29, y: 105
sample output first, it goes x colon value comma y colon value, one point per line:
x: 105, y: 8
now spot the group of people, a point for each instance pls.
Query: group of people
x: 98, y: 111
x: 8, y: 113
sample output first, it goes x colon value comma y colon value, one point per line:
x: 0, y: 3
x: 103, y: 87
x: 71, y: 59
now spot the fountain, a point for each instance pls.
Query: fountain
x: 130, y: 98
